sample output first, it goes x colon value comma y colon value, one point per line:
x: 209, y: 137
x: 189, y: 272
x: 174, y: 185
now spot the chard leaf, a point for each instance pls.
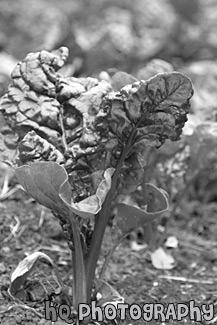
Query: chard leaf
x: 47, y: 183
x: 24, y: 268
x: 42, y: 181
x: 130, y: 216
x: 132, y: 173
x: 85, y: 126
x: 30, y: 102
x: 156, y: 108
x: 152, y: 111
x: 8, y: 141
x: 33, y: 148
x: 91, y: 205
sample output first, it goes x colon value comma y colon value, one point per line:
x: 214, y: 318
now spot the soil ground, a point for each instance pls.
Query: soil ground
x: 130, y: 272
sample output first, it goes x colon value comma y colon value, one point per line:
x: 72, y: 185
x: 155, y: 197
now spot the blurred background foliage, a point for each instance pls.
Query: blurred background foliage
x: 140, y: 37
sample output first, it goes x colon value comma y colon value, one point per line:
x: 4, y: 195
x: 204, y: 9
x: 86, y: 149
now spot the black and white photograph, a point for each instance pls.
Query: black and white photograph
x: 108, y: 162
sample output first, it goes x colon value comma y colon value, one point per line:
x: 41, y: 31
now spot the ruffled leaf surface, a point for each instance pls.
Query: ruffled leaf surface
x: 152, y: 111
x: 30, y: 102
x: 156, y: 107
x: 8, y: 141
x: 34, y: 148
x: 83, y: 125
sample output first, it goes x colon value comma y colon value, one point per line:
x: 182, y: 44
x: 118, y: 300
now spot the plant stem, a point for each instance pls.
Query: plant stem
x: 63, y: 130
x: 107, y: 259
x: 101, y: 222
x: 79, y: 275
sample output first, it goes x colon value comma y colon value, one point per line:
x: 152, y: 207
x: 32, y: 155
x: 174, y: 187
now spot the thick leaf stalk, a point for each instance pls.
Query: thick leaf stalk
x: 101, y: 223
x: 79, y: 274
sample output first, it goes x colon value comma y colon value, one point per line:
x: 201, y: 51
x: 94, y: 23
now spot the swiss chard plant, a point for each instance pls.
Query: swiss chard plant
x: 78, y: 146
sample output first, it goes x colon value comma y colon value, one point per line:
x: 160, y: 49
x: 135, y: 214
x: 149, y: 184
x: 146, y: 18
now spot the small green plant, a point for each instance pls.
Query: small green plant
x: 78, y: 148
